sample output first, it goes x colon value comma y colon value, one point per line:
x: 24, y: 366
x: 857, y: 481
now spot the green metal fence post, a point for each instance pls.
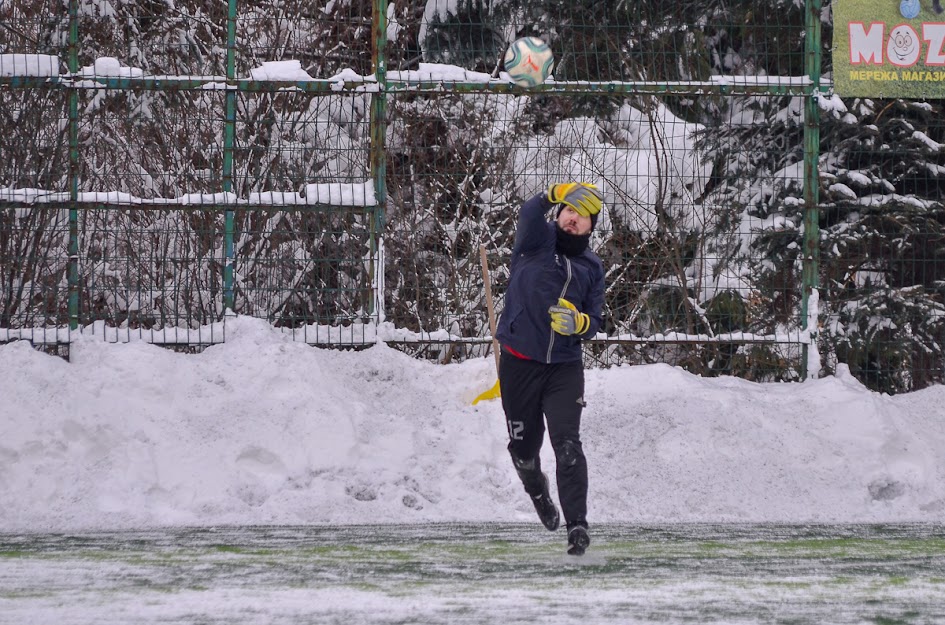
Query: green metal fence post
x: 379, y: 152
x: 811, y: 266
x: 73, y: 175
x: 229, y: 134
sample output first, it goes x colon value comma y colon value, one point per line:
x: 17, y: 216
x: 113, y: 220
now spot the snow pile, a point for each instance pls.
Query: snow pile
x: 262, y: 429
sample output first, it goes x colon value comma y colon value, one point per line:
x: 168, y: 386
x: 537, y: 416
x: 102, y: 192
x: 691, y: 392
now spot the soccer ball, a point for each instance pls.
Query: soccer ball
x: 528, y: 61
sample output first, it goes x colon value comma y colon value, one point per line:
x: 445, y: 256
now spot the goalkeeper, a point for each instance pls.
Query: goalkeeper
x: 554, y: 299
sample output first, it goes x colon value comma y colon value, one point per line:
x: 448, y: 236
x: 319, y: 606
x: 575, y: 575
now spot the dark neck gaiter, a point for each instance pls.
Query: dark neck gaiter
x: 570, y: 244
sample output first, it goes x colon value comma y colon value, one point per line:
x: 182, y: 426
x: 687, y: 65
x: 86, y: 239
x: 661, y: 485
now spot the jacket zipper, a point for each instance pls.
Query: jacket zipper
x: 564, y: 291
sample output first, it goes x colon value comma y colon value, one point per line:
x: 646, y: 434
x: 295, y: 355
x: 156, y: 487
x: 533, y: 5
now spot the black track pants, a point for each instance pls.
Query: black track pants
x: 533, y: 392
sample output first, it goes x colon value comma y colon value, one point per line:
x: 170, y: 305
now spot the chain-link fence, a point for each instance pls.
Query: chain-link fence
x: 334, y: 168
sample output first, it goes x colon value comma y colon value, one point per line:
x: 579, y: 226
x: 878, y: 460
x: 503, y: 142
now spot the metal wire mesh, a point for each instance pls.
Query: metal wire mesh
x: 669, y: 241
x: 331, y: 166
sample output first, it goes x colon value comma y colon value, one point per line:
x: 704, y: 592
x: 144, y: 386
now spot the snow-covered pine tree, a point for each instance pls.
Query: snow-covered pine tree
x: 883, y: 241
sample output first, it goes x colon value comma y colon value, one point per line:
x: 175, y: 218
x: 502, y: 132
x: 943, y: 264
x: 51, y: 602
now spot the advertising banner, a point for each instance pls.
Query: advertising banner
x: 889, y: 48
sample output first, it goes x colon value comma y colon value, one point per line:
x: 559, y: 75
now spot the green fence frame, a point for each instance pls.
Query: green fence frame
x: 809, y: 89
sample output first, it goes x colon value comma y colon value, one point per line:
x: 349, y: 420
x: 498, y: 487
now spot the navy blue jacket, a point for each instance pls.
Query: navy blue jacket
x: 539, y: 276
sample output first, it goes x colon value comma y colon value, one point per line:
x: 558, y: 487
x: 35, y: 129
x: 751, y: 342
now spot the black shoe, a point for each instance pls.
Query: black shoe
x: 545, y: 507
x: 578, y: 539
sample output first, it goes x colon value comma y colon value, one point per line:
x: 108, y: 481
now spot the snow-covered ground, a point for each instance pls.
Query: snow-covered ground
x: 264, y: 430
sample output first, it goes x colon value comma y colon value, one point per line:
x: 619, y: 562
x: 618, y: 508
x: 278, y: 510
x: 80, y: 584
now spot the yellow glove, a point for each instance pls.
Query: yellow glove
x: 583, y: 197
x: 566, y: 320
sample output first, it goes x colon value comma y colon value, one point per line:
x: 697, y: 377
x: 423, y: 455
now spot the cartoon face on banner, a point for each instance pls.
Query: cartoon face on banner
x: 903, y: 48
